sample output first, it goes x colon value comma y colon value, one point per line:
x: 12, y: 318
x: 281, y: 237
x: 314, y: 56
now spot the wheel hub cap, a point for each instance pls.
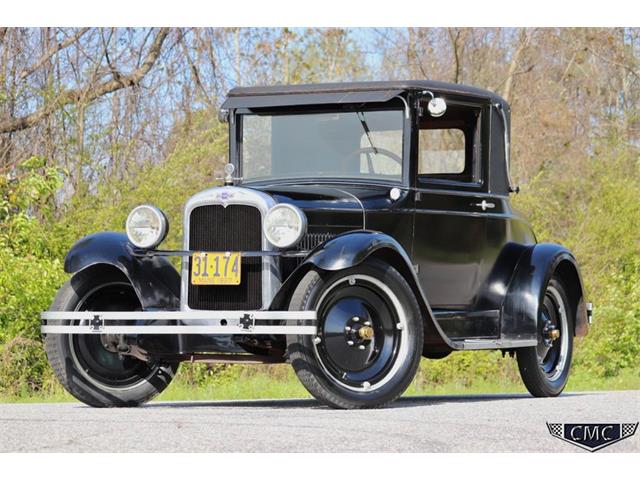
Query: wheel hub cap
x: 550, y: 333
x: 358, y: 331
x: 359, y: 338
x: 365, y: 333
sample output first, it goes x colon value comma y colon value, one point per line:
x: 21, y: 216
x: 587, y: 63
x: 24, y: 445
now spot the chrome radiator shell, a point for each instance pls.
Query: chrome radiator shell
x: 225, y: 196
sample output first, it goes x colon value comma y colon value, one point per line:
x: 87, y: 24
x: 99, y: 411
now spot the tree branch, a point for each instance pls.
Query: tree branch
x: 613, y: 62
x: 522, y: 43
x: 91, y: 93
x: 194, y: 70
x: 52, y: 51
x: 456, y: 53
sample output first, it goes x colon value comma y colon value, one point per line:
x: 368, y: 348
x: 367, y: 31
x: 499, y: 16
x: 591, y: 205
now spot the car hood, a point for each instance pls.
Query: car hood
x: 334, y: 205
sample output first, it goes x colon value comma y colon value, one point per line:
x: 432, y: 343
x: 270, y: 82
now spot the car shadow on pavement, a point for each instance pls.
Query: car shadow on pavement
x: 423, y: 400
x: 404, y: 402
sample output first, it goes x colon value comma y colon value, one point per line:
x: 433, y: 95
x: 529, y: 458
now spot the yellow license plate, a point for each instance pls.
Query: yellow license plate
x: 215, y: 268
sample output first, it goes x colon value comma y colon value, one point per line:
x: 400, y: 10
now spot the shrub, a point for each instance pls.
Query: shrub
x: 24, y: 369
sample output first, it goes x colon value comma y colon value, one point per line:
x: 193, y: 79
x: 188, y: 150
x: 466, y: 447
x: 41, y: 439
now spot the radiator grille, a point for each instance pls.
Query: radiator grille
x: 234, y: 228
x: 312, y: 240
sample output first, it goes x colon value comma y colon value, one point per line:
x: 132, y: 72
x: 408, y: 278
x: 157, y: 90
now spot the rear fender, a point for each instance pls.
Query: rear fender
x: 526, y: 291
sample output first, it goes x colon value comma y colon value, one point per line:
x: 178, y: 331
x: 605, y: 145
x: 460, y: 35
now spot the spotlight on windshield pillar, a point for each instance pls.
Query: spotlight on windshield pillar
x: 437, y: 107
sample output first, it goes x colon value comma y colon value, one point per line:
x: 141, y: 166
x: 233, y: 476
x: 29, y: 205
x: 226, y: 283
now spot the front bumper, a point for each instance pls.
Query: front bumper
x: 232, y: 322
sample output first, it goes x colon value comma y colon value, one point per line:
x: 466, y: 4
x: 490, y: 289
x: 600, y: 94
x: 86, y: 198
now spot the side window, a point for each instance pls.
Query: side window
x: 449, y: 147
x: 441, y: 151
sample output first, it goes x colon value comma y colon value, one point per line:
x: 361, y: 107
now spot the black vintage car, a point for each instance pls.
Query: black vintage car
x: 360, y: 227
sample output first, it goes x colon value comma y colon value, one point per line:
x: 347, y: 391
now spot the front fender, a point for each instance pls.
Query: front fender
x: 527, y: 289
x: 352, y: 248
x: 155, y: 280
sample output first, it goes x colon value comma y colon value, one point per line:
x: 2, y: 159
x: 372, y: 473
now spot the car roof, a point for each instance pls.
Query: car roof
x: 322, y: 92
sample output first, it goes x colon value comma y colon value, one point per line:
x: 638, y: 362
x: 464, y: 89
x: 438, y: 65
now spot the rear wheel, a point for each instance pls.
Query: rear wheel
x: 545, y: 368
x: 90, y: 367
x: 369, y: 338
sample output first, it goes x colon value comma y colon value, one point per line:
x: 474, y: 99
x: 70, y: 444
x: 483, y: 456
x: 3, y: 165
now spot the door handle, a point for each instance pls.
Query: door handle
x: 484, y: 205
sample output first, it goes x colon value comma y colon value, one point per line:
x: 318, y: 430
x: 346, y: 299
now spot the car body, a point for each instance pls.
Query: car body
x: 393, y: 200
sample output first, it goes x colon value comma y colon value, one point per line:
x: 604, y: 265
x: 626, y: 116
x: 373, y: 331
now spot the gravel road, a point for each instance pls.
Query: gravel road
x: 470, y: 423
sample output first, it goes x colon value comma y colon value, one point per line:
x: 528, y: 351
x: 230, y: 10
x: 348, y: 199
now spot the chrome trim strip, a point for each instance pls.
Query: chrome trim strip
x: 507, y: 143
x: 220, y: 322
x: 179, y: 330
x: 460, y: 193
x: 231, y: 195
x: 406, y: 106
x: 463, y: 214
x: 183, y: 315
x: 189, y: 253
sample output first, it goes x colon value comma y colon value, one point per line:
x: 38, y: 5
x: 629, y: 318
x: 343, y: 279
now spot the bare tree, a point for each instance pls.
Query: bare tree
x: 88, y: 94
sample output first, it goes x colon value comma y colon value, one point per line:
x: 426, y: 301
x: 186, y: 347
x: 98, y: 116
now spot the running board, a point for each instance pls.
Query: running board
x: 492, y: 344
x: 208, y: 322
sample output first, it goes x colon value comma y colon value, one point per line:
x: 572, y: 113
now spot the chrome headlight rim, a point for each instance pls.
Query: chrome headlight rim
x: 162, y: 231
x: 302, y: 219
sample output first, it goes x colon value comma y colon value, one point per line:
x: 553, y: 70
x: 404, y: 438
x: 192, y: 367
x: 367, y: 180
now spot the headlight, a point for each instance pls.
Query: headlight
x: 146, y: 226
x: 284, y: 225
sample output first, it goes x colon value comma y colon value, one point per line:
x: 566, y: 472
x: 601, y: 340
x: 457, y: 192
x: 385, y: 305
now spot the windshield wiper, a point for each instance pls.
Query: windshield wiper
x: 363, y: 122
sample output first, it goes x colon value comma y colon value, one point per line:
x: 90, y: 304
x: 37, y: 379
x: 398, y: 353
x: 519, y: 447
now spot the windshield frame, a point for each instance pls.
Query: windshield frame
x: 235, y: 143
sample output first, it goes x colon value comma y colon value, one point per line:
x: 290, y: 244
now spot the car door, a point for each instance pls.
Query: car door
x: 450, y: 223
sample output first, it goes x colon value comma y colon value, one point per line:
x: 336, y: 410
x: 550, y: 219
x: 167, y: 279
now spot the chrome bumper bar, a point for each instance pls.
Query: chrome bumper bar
x: 221, y: 322
x: 246, y: 253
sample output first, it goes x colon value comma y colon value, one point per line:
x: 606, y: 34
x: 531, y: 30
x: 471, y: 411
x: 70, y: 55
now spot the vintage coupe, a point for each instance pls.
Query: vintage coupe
x: 360, y: 227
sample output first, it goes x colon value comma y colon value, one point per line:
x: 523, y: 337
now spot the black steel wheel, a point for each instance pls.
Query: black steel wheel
x: 90, y: 366
x: 545, y: 368
x: 369, y: 338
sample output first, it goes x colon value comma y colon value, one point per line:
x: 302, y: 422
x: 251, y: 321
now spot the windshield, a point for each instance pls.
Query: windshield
x: 357, y: 144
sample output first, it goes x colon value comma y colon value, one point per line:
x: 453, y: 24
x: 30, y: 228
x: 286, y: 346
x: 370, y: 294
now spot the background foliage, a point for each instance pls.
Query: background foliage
x: 74, y: 157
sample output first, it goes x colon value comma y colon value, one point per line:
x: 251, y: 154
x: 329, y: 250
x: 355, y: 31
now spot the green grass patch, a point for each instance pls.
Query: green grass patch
x: 279, y: 381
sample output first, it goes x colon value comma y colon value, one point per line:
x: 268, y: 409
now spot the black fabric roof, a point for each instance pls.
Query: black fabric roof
x: 348, y: 92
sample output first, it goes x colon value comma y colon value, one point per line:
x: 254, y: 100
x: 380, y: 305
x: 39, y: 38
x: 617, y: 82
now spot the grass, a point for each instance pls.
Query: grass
x: 279, y: 381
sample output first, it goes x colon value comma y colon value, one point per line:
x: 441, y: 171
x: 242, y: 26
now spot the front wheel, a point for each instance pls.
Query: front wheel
x: 369, y: 339
x: 545, y: 368
x: 89, y: 366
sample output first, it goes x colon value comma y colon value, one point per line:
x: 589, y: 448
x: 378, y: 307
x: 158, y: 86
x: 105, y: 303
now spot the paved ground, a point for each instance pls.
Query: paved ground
x: 417, y: 424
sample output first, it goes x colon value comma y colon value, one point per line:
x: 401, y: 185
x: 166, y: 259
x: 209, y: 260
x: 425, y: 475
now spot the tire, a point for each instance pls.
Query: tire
x: 374, y: 370
x: 93, y: 374
x: 545, y: 370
